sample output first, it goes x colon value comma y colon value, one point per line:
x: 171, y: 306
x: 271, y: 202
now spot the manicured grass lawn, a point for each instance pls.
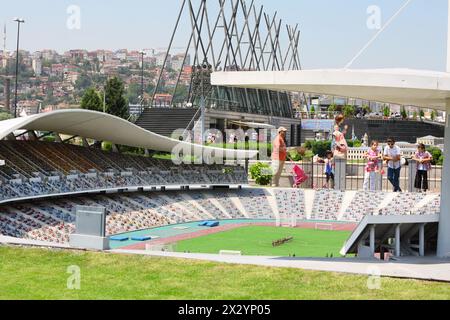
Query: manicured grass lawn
x: 42, y: 274
x: 258, y: 241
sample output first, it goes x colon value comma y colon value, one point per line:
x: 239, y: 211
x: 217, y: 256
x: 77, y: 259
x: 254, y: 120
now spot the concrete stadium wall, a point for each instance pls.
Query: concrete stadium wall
x: 401, y: 130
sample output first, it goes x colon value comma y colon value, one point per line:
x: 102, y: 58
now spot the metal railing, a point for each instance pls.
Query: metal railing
x: 354, y: 176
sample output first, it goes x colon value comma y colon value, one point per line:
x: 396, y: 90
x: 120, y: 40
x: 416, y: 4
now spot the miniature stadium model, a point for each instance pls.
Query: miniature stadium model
x: 152, y: 174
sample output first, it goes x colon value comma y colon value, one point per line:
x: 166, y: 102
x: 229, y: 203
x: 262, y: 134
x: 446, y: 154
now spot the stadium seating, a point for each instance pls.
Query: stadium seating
x: 208, y: 206
x: 35, y: 168
x: 433, y: 207
x: 327, y: 204
x: 291, y: 203
x: 364, y: 203
x: 402, y: 204
x: 256, y: 204
x: 224, y: 199
x: 53, y: 220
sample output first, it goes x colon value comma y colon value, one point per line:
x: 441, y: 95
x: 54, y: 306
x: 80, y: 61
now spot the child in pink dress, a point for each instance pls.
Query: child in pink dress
x: 372, y: 168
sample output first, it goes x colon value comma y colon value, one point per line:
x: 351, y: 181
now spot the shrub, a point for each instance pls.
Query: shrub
x: 386, y: 111
x: 313, y: 111
x: 321, y: 147
x: 404, y: 114
x: 261, y: 173
x: 49, y: 138
x: 318, y: 147
x: 433, y: 115
x: 349, y: 111
x: 438, y: 158
x: 295, y: 155
x: 354, y: 143
x: 106, y: 146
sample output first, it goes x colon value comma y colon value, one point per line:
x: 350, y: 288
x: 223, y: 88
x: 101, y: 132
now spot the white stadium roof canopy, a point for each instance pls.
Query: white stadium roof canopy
x: 419, y: 88
x: 105, y: 127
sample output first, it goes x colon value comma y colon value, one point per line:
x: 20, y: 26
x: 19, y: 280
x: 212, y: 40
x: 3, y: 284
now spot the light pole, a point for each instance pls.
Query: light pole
x: 19, y: 21
x: 142, y: 77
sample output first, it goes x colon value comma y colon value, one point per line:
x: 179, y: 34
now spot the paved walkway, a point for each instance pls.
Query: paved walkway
x: 34, y: 243
x: 413, y: 268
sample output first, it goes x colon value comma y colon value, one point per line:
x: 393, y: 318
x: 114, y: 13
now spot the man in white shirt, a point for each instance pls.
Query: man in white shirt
x: 393, y: 155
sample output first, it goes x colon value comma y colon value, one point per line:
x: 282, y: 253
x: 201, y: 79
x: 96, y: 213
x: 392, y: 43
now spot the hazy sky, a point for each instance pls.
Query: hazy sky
x: 333, y: 31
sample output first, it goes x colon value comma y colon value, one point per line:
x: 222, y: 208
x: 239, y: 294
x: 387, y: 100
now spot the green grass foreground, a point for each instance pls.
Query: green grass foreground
x: 258, y: 241
x: 42, y: 274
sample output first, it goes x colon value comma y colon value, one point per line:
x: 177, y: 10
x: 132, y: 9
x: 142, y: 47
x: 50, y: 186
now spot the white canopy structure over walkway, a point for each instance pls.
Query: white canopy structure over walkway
x: 105, y: 127
x: 420, y: 88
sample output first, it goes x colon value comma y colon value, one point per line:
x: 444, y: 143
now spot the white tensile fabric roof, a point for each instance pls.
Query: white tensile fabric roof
x: 254, y: 125
x: 419, y: 88
x: 104, y: 127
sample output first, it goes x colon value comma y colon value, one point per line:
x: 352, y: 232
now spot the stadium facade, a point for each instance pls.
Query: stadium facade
x: 231, y: 35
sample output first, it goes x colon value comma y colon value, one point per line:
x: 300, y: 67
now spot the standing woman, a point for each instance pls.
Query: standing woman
x: 423, y: 159
x: 340, y: 146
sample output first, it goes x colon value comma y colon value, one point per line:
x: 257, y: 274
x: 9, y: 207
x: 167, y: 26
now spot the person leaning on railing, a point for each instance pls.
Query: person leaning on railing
x: 393, y: 155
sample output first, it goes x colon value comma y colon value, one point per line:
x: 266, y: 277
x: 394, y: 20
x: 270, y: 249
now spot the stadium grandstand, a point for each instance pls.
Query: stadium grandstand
x: 36, y: 168
x: 53, y: 220
x: 42, y: 183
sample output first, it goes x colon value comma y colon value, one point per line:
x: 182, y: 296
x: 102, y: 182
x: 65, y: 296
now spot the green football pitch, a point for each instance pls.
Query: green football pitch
x: 258, y: 241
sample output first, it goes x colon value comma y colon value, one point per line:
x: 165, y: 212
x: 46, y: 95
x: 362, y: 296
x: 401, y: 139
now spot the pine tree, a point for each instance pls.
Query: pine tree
x: 115, y: 98
x: 404, y: 114
x: 91, y: 100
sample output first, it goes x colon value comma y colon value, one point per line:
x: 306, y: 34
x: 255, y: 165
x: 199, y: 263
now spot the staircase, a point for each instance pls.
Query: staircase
x: 165, y: 121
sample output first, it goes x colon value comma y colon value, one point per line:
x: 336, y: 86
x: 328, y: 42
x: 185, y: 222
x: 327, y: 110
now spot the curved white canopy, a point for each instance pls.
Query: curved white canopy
x: 400, y: 86
x: 105, y: 127
x: 254, y: 125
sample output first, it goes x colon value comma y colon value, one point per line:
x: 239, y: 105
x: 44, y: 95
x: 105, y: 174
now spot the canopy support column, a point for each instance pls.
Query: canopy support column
x: 398, y: 251
x: 444, y: 220
x: 448, y: 39
x: 372, y: 240
x: 422, y: 240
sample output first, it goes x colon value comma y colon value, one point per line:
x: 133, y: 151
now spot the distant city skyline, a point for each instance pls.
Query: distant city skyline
x: 332, y: 31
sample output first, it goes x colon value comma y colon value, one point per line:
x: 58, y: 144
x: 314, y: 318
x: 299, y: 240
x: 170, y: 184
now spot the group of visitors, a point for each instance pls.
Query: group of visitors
x: 391, y: 155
